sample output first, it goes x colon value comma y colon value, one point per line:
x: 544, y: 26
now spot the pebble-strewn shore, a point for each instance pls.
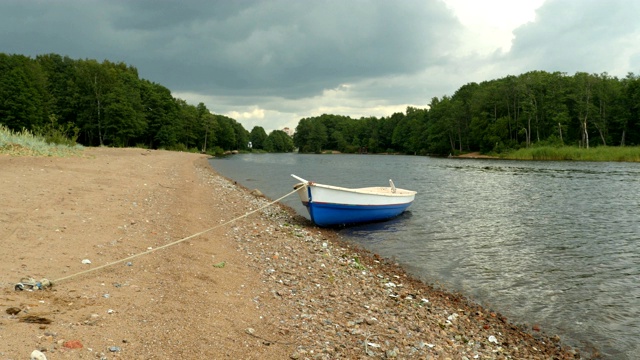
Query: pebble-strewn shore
x: 338, y: 301
x: 267, y: 285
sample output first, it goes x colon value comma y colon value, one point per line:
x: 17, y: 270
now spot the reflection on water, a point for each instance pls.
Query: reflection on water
x: 551, y: 243
x: 366, y: 232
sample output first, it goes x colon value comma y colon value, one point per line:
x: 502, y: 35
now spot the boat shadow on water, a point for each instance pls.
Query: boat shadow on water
x: 370, y: 232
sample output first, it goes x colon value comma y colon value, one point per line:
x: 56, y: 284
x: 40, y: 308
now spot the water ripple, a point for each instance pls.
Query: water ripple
x: 551, y: 243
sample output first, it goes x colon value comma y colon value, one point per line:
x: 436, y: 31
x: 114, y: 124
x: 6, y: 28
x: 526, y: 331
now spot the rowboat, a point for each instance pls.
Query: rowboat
x: 333, y: 205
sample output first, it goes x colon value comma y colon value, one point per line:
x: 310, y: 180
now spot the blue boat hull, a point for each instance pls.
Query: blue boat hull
x: 329, y: 214
x: 332, y: 205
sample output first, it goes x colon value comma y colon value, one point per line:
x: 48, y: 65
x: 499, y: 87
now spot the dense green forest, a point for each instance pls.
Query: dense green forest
x: 537, y: 108
x: 108, y: 104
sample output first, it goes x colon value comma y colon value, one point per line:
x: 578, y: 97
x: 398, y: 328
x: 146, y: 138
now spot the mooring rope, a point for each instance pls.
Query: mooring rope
x: 172, y: 243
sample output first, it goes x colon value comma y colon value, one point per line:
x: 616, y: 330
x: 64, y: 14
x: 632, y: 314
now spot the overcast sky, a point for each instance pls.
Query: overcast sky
x: 270, y: 63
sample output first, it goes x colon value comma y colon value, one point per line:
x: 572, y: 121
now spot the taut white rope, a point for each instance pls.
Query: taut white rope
x: 172, y: 243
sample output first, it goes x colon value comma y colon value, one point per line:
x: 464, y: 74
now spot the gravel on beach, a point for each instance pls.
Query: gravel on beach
x: 242, y: 278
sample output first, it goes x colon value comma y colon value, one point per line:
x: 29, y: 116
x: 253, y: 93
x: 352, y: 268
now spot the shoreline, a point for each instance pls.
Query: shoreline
x: 473, y: 155
x: 454, y: 303
x: 268, y: 285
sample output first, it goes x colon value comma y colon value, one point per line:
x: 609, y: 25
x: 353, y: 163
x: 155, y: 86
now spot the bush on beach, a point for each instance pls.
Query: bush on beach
x: 26, y: 143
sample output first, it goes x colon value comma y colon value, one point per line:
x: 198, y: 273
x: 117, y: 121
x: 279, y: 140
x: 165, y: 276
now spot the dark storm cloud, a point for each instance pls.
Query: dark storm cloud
x: 278, y: 48
x: 276, y: 61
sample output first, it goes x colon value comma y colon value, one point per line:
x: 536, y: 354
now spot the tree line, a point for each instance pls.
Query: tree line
x: 108, y: 104
x: 535, y: 108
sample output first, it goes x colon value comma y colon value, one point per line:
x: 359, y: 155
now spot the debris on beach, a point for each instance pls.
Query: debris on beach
x: 30, y: 284
x: 13, y: 310
x: 34, y: 319
x: 37, y: 355
x: 73, y: 344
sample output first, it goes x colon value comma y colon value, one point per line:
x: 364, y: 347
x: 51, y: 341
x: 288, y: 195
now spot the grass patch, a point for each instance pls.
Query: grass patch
x: 572, y: 153
x: 25, y: 143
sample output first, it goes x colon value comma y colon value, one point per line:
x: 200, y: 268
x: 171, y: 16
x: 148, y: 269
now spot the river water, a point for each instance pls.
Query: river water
x: 555, y: 244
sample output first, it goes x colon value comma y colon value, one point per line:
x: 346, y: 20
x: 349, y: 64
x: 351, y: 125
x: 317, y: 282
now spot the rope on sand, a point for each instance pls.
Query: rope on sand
x: 172, y: 243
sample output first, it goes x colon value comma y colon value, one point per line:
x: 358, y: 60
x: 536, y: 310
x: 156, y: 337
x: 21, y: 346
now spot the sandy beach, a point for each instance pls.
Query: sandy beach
x: 152, y: 257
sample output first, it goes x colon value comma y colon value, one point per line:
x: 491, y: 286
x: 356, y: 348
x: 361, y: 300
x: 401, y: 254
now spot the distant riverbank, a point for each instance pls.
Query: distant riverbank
x: 551, y: 153
x: 572, y: 153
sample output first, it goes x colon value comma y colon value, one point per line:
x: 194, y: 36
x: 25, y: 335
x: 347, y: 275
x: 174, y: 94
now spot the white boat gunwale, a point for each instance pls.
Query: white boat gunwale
x: 374, y: 190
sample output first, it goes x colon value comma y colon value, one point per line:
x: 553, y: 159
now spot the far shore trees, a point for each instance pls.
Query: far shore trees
x: 108, y: 104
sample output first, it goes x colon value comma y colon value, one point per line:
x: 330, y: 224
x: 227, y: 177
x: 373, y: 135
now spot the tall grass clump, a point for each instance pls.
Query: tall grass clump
x: 58, y: 134
x: 26, y: 143
x: 572, y: 153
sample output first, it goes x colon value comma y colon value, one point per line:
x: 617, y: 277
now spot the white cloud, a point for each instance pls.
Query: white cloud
x: 580, y: 36
x: 255, y: 113
x: 490, y: 23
